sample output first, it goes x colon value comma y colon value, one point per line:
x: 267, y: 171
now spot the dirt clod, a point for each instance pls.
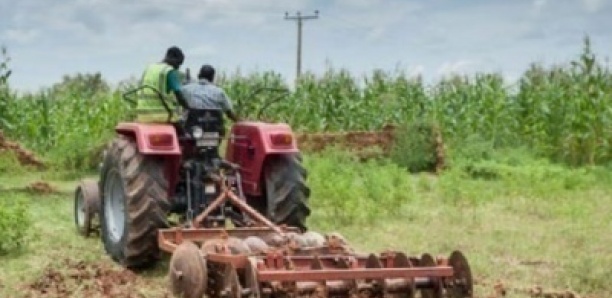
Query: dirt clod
x: 41, y: 187
x: 500, y: 290
x: 82, y: 279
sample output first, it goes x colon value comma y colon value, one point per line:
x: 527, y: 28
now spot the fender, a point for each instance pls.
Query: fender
x: 152, y: 139
x: 250, y: 143
x: 158, y: 140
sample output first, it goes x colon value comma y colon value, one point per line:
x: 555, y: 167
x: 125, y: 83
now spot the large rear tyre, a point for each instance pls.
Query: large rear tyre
x: 135, y: 203
x: 286, y: 191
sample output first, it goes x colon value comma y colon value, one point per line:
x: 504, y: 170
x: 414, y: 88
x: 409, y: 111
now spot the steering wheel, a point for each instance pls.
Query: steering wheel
x: 267, y: 103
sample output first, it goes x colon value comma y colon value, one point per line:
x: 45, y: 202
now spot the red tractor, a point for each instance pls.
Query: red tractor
x: 152, y: 171
x: 236, y: 226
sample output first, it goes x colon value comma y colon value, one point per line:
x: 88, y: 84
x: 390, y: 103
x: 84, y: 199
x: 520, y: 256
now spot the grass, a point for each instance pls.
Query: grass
x: 536, y: 224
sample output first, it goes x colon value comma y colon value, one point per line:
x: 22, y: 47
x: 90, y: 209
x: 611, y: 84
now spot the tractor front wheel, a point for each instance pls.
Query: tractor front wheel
x: 286, y: 191
x: 134, y: 204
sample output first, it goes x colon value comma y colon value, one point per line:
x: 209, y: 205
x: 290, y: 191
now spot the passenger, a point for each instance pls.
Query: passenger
x: 164, y: 77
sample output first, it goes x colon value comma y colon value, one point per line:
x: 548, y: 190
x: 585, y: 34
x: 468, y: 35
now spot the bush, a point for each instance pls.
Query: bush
x: 14, y: 225
x: 418, y: 147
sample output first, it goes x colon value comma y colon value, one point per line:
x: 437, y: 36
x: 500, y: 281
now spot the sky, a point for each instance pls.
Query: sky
x: 432, y: 38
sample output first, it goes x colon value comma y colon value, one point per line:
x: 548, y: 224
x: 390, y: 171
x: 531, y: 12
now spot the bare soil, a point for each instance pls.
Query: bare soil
x: 41, y: 187
x: 498, y: 290
x: 82, y: 279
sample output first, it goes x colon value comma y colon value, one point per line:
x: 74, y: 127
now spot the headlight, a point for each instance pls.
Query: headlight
x: 197, y: 132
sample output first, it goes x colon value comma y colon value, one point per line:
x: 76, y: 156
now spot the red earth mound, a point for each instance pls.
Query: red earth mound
x: 41, y: 187
x: 356, y: 140
x: 366, y: 144
x: 24, y: 156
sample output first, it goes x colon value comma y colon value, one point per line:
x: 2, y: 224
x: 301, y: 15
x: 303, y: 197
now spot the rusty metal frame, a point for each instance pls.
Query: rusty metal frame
x: 285, y: 269
x: 351, y: 274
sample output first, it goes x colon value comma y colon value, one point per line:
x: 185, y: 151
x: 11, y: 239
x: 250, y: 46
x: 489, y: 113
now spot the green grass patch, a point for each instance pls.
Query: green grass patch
x: 15, y: 223
x: 9, y: 163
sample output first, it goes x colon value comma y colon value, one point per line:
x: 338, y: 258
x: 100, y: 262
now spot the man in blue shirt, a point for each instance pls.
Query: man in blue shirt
x: 203, y: 94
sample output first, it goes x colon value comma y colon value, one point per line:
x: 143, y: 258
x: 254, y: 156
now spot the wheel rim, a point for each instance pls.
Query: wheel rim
x: 114, y: 206
x: 80, y: 210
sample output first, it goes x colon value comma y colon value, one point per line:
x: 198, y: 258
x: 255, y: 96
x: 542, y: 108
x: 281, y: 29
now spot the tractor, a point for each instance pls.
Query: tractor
x: 235, y: 226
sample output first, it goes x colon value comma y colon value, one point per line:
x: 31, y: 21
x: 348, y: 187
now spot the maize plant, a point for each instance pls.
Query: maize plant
x: 562, y: 112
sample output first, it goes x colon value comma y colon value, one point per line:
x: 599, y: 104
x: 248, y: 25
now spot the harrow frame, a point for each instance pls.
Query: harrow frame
x: 324, y: 271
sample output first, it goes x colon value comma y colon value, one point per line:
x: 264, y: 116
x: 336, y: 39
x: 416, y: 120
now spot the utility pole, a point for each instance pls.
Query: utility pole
x: 299, y: 18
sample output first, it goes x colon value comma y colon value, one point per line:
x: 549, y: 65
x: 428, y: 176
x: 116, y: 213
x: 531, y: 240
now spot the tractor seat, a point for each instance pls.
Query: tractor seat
x: 208, y: 120
x: 204, y: 128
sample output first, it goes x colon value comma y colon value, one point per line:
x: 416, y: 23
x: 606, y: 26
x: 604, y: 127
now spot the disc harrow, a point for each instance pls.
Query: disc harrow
x: 266, y: 260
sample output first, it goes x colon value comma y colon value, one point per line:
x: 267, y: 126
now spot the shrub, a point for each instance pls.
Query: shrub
x: 418, y: 147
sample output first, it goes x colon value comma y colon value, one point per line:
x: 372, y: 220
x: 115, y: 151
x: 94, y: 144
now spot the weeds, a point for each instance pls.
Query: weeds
x: 350, y: 192
x: 14, y: 224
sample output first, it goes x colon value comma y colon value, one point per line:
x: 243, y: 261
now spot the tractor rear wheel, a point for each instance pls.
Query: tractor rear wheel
x: 134, y: 204
x: 286, y: 191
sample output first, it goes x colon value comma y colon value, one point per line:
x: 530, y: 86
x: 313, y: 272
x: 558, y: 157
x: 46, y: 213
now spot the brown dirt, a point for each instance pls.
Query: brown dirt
x: 82, y: 279
x: 499, y: 289
x: 25, y: 157
x: 41, y: 187
x: 365, y: 144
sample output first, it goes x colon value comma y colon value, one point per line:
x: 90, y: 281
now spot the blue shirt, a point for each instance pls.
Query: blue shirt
x: 205, y: 95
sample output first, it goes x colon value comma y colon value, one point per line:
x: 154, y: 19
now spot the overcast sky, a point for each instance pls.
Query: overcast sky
x: 47, y: 39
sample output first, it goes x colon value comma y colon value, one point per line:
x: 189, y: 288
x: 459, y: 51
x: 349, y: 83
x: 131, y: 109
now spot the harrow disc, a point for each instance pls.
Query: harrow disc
x: 250, y: 277
x: 436, y: 290
x: 225, y: 282
x: 461, y: 283
x: 256, y: 245
x: 402, y: 261
x: 86, y: 206
x: 187, y: 271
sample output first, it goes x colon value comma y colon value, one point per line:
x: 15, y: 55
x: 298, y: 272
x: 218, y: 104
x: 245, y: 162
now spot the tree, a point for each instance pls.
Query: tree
x: 85, y: 85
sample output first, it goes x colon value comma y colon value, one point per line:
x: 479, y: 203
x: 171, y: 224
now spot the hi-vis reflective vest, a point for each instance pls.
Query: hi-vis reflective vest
x: 149, y: 107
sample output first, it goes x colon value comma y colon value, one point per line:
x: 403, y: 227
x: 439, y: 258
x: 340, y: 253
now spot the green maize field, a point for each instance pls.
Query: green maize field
x: 561, y: 112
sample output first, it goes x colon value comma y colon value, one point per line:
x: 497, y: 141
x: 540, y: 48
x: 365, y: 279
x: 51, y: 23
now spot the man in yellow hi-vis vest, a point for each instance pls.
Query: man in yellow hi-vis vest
x: 163, y: 77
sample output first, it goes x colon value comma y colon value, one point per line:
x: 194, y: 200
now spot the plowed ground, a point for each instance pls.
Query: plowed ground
x: 78, y: 278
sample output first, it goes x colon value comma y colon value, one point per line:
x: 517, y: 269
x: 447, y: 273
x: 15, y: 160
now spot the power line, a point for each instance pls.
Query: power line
x: 299, y: 18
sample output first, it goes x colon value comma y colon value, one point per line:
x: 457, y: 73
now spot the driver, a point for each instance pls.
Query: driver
x: 203, y: 94
x: 164, y: 77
